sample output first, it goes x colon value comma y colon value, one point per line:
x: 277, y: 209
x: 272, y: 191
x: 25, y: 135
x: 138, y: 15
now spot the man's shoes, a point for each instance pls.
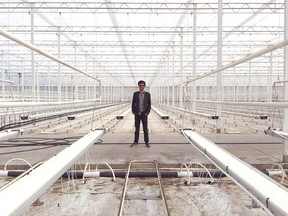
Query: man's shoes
x: 134, y: 145
x: 147, y: 145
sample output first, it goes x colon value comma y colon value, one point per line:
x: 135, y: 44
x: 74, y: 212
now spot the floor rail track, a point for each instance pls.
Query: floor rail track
x: 126, y: 183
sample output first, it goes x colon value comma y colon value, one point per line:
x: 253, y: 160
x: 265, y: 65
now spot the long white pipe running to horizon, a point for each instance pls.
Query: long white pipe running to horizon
x: 34, y: 104
x: 16, y: 198
x: 268, y: 193
x: 240, y: 60
x: 261, y: 104
x: 38, y: 50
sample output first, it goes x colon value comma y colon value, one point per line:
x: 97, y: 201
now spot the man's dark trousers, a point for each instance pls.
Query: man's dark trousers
x: 144, y: 120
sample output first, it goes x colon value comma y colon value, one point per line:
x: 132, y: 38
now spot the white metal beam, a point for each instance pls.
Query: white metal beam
x: 257, y: 104
x: 241, y: 60
x: 41, y: 52
x: 34, y: 104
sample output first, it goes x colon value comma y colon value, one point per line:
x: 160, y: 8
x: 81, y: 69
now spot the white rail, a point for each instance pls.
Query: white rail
x: 16, y: 198
x: 10, y: 134
x: 162, y: 116
x: 272, y: 196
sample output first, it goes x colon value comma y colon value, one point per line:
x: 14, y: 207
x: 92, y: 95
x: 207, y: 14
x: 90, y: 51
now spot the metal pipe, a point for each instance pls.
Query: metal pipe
x: 270, y: 195
x: 261, y: 104
x: 119, y: 174
x: 121, y: 115
x: 162, y: 116
x: 283, y: 81
x: 7, y: 81
x: 19, y: 196
x: 34, y: 104
x: 38, y: 50
x: 240, y: 60
x: 276, y: 133
x: 10, y: 134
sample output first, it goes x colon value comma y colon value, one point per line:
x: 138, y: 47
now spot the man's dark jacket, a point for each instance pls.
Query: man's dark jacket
x: 147, y: 103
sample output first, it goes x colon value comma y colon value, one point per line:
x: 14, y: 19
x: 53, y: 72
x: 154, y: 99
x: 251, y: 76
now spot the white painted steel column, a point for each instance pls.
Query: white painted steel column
x: 270, y: 78
x: 103, y: 99
x: 109, y: 93
x: 3, y: 75
x: 94, y: 86
x: 86, y: 68
x: 173, y: 73
x: 37, y: 83
x: 16, y: 198
x: 181, y: 70
x: 76, y: 95
x: 249, y: 83
x: 168, y: 81
x: 49, y: 85
x: 235, y: 86
x: 160, y: 94
x: 194, y: 57
x: 32, y: 54
x: 268, y: 193
x: 285, y: 113
x: 22, y: 80
x: 219, y: 64
x: 59, y: 67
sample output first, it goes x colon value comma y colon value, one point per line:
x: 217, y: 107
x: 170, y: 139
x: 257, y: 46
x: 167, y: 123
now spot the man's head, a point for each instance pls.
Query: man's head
x: 141, y: 85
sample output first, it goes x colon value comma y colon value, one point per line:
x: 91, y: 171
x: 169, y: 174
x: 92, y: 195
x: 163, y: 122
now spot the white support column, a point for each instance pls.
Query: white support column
x: 181, y: 70
x: 76, y: 94
x: 94, y: 88
x: 249, y: 83
x: 37, y: 83
x: 32, y: 55
x: 194, y: 96
x: 59, y: 67
x: 173, y: 73
x: 112, y: 93
x: 49, y: 85
x: 104, y: 94
x: 22, y: 79
x: 16, y: 198
x: 3, y: 75
x: 269, y: 79
x: 168, y: 81
x: 159, y: 94
x: 86, y: 84
x: 285, y: 113
x: 235, y: 85
x: 219, y: 64
x: 108, y: 93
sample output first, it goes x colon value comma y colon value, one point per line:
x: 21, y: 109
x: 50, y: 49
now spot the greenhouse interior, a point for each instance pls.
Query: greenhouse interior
x: 202, y: 85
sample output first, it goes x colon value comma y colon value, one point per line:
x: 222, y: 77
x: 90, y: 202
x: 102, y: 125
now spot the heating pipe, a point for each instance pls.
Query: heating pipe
x: 16, y: 198
x: 272, y: 196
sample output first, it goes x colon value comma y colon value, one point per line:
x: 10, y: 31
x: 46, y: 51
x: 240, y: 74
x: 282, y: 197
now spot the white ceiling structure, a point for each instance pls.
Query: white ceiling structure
x: 121, y: 42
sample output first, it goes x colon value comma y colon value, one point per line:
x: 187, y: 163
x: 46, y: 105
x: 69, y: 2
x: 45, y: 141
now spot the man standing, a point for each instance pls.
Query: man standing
x: 141, y: 106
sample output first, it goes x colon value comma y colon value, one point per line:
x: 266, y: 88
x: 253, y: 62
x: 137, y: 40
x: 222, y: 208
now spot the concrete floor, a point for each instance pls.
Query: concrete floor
x: 169, y: 148
x: 166, y: 148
